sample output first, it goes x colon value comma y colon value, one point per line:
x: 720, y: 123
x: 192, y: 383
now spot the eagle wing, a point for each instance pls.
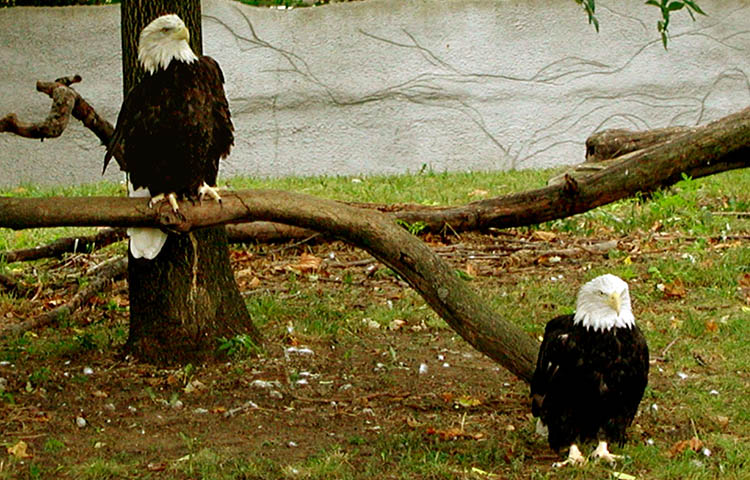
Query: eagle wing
x: 129, y: 114
x: 556, y: 347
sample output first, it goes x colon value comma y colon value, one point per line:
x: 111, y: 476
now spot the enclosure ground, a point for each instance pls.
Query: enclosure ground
x: 337, y: 393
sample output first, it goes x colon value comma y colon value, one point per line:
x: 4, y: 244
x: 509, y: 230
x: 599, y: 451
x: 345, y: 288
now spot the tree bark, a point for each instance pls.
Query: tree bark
x: 186, y: 298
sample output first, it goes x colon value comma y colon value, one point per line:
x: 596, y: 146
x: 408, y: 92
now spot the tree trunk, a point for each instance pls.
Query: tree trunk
x: 182, y: 301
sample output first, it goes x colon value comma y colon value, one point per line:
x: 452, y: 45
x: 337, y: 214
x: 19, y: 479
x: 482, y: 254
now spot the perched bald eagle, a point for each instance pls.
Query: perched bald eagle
x: 173, y: 126
x: 591, y: 371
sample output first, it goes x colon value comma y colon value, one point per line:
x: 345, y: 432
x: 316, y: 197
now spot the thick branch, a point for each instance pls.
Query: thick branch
x: 66, y: 101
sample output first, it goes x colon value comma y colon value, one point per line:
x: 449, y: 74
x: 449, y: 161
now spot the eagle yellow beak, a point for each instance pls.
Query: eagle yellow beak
x: 615, y: 302
x: 183, y: 34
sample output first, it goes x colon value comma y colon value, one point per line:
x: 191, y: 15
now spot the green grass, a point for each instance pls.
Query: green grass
x: 702, y: 334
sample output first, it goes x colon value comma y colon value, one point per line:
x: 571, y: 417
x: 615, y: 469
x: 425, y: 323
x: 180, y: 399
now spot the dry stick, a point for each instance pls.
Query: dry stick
x: 111, y: 272
x: 13, y: 286
x: 60, y: 246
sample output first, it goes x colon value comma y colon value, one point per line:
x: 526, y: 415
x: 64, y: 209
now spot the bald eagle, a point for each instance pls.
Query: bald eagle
x: 173, y: 126
x: 591, y: 372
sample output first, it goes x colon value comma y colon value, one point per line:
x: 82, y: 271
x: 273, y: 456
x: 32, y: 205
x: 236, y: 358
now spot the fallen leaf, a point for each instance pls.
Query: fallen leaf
x: 479, y: 193
x: 544, y: 236
x: 547, y: 259
x: 156, y: 467
x: 19, y: 450
x: 675, y: 289
x: 711, y: 325
x: 307, y: 263
x: 693, y: 444
x: 622, y: 476
x: 467, y: 401
x: 453, y: 434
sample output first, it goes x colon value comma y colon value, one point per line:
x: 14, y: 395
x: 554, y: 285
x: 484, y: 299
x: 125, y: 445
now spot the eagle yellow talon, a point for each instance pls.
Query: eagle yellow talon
x: 171, y: 198
x: 574, y: 458
x: 601, y: 453
x: 205, y: 190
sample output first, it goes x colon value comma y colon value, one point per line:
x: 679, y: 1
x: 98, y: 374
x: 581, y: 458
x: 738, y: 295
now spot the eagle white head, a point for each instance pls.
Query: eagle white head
x: 603, y: 303
x: 163, y: 40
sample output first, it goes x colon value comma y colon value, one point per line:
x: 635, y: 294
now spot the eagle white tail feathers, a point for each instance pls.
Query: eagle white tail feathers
x: 144, y: 242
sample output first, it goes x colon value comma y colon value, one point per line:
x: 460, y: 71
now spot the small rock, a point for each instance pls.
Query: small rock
x: 291, y: 444
x: 299, y: 351
x: 260, y: 384
x: 80, y: 422
x: 88, y: 371
x: 200, y: 411
x: 423, y: 368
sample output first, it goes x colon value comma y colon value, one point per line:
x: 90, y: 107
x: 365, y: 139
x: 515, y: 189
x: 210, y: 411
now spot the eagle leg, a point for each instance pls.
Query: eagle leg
x: 602, y: 453
x: 212, y: 192
x: 169, y: 197
x: 574, y: 458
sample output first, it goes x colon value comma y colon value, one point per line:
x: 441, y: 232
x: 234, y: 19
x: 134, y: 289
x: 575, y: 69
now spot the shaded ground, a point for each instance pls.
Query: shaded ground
x: 326, y: 390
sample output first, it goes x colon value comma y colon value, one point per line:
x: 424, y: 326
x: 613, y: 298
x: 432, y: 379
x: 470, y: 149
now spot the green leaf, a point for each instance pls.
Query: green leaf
x: 694, y: 6
x: 674, y: 6
x: 653, y: 2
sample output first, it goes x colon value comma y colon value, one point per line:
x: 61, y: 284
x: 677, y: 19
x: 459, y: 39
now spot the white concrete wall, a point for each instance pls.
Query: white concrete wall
x: 386, y: 86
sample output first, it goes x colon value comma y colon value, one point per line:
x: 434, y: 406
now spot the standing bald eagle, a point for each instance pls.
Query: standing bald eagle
x: 591, y: 371
x: 173, y: 126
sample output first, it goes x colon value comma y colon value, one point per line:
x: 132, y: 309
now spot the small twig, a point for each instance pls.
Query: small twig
x: 663, y: 355
x: 84, y: 243
x: 732, y: 214
x: 106, y: 276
